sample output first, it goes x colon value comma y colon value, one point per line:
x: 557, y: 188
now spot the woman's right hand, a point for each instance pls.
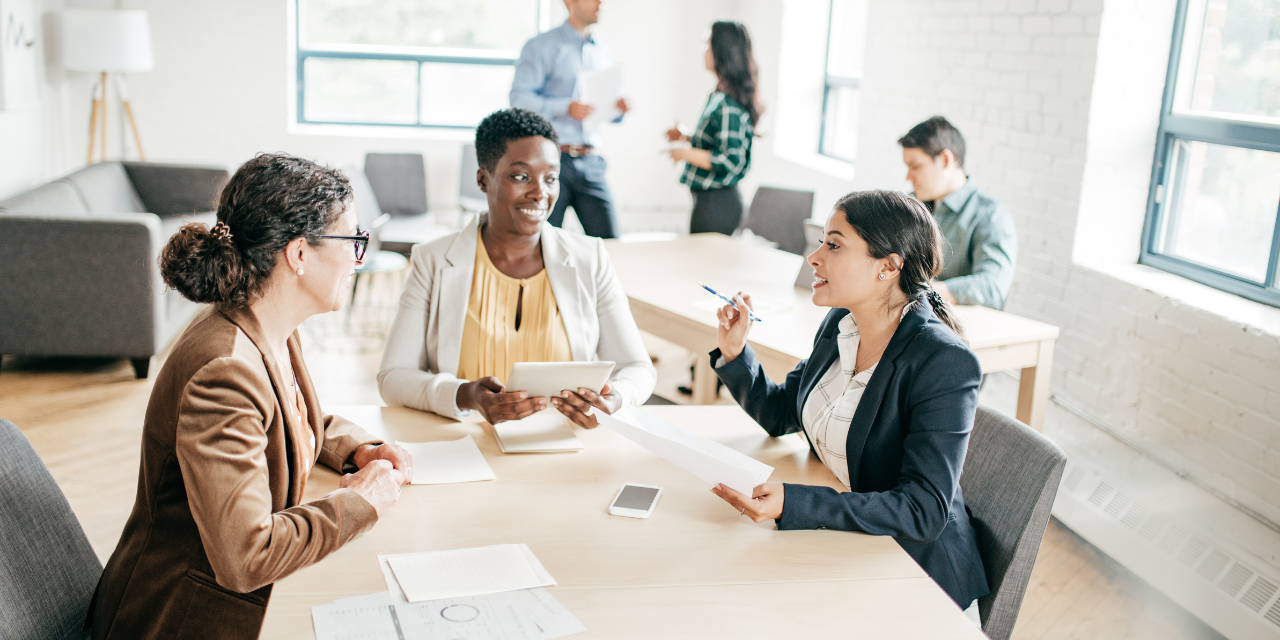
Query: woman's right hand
x: 378, y: 483
x: 674, y: 134
x: 492, y: 400
x: 731, y: 334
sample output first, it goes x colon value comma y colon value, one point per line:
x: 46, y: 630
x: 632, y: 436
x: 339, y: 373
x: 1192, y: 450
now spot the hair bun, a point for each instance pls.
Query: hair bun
x: 203, y: 265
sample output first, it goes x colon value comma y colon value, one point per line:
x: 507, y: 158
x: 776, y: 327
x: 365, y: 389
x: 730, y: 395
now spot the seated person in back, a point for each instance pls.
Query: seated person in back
x: 512, y: 288
x: 980, y: 242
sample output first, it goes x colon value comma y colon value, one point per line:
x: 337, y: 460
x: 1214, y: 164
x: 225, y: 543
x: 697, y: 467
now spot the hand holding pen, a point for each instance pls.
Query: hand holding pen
x: 731, y: 302
x: 735, y: 321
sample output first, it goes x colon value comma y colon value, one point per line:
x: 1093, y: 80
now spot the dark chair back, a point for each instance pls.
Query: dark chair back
x: 778, y: 215
x: 1010, y: 480
x: 399, y: 182
x: 48, y: 571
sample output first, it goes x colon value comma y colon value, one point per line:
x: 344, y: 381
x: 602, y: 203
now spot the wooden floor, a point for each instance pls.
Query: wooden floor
x: 84, y: 418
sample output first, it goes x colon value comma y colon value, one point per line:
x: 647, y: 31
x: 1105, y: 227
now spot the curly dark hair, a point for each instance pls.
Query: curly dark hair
x: 270, y: 201
x: 500, y: 127
x: 892, y: 222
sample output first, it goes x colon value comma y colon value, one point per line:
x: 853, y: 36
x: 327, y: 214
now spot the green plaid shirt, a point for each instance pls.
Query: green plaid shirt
x: 725, y: 130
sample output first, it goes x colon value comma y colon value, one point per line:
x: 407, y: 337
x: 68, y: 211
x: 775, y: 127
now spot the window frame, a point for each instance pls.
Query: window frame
x: 829, y: 83
x: 390, y: 53
x: 1220, y: 131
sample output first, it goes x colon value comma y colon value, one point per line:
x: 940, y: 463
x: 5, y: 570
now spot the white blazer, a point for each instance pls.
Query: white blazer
x: 420, y: 364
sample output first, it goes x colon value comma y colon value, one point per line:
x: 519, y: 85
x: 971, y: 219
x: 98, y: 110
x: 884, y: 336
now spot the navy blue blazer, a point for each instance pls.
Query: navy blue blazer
x: 906, y: 446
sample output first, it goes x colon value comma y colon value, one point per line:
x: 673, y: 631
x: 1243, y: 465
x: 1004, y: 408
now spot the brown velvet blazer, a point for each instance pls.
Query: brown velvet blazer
x: 217, y: 519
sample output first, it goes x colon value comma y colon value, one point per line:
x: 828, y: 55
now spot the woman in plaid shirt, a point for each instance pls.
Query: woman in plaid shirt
x: 720, y: 147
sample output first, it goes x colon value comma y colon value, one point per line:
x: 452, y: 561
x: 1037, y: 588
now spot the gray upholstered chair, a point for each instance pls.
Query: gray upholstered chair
x: 48, y: 571
x: 778, y: 215
x: 1010, y: 480
x: 78, y: 258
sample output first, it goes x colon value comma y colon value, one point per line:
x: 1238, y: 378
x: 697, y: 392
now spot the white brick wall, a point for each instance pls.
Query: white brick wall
x: 1060, y: 122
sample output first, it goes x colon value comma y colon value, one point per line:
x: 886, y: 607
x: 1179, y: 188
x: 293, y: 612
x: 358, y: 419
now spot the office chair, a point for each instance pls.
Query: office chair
x: 399, y: 184
x: 1010, y: 480
x: 778, y: 215
x: 48, y: 571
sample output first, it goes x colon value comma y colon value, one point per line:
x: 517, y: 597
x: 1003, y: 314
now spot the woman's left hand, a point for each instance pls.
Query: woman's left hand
x: 765, y: 503
x: 678, y: 154
x: 576, y: 405
x: 399, y: 458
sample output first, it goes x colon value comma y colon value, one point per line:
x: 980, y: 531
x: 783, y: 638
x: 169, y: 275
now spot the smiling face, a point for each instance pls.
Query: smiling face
x: 523, y: 186
x: 331, y: 265
x: 845, y: 274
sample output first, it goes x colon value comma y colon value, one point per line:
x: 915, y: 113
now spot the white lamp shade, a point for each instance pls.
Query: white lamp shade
x: 117, y: 41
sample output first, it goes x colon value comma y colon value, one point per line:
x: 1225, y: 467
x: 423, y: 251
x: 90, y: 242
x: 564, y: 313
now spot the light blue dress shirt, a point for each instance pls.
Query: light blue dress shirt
x: 980, y: 246
x: 546, y: 78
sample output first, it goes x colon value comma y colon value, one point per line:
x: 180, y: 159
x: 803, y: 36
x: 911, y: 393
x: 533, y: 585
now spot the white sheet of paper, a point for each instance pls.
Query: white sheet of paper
x: 528, y: 614
x: 763, y: 306
x: 601, y: 89
x: 435, y: 575
x: 547, y: 431
x: 707, y: 459
x: 447, y: 461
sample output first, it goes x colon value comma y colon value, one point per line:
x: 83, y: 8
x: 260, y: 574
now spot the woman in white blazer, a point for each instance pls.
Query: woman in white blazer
x: 519, y: 158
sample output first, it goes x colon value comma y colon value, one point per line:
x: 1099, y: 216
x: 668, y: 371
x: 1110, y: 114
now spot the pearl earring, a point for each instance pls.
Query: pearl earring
x: 881, y: 276
x: 300, y: 272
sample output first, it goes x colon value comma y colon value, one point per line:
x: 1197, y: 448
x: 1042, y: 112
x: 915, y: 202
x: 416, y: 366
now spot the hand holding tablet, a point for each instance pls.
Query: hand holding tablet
x: 576, y: 389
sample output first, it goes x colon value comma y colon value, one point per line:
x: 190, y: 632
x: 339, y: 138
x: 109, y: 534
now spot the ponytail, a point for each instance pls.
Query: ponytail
x: 944, y: 312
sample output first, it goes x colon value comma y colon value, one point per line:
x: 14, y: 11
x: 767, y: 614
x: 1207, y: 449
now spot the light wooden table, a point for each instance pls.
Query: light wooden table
x: 694, y: 569
x: 659, y: 280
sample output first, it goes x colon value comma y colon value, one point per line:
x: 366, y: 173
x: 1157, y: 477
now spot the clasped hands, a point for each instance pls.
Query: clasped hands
x: 496, y: 404
x: 383, y: 468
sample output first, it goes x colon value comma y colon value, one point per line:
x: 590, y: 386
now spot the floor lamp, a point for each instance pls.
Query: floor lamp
x: 106, y: 42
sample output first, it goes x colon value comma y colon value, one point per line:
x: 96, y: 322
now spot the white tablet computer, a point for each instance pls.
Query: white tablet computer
x: 550, y: 378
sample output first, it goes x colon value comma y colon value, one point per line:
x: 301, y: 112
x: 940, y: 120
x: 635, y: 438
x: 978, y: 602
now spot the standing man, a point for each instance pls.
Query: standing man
x: 980, y: 242
x: 546, y: 82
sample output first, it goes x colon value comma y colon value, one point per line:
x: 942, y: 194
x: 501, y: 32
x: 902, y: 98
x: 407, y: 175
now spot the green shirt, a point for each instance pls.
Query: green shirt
x: 725, y: 130
x: 980, y: 245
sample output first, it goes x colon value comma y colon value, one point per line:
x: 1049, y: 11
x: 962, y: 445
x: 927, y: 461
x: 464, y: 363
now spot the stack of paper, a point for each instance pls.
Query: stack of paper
x: 463, y: 572
x: 707, y: 459
x: 447, y: 462
x: 547, y: 431
x: 530, y: 614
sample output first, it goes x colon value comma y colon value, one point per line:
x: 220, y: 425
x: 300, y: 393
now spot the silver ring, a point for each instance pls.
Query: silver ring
x: 743, y: 512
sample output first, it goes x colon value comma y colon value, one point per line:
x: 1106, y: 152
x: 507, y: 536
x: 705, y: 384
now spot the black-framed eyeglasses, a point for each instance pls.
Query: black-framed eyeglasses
x: 360, y: 241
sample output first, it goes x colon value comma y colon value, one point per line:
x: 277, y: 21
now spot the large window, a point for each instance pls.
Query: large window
x: 1214, y: 212
x: 410, y: 63
x: 846, y: 41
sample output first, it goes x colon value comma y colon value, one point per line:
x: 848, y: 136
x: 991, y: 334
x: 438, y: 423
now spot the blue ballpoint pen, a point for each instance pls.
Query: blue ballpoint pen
x: 731, y: 303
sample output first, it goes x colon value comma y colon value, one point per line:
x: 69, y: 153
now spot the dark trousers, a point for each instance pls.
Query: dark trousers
x: 718, y: 210
x: 582, y: 187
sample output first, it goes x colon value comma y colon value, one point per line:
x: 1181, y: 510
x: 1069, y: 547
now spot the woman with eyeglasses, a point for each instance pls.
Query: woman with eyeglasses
x: 720, y: 146
x: 508, y: 288
x: 234, y: 427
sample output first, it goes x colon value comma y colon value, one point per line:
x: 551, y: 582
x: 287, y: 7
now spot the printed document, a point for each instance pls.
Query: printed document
x: 601, y: 89
x: 707, y: 459
x: 467, y: 572
x: 446, y: 462
x: 530, y: 614
x: 547, y: 431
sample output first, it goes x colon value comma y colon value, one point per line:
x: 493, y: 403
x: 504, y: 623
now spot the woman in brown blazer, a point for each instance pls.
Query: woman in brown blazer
x: 234, y: 427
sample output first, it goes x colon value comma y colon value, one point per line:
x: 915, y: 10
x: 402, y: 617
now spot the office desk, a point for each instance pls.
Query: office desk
x: 695, y: 568
x: 659, y: 280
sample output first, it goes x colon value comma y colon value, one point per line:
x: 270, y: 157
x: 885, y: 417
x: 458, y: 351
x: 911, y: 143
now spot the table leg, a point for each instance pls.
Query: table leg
x: 1033, y: 389
x: 704, y: 381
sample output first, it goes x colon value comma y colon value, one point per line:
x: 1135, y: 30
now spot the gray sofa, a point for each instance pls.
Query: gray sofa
x: 78, y: 260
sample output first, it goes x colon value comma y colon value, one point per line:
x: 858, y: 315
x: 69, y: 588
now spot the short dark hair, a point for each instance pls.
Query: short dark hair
x: 934, y: 135
x: 500, y: 127
x: 271, y: 200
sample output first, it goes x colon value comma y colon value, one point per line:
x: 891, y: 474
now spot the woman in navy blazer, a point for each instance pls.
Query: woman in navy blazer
x: 909, y: 429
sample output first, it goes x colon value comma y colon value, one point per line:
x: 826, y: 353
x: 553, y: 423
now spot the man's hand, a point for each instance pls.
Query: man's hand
x: 579, y: 111
x: 623, y: 105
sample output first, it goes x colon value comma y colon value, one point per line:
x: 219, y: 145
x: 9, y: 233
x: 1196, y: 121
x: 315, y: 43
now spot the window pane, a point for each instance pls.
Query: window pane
x: 463, y: 94
x: 489, y: 24
x: 840, y: 128
x: 848, y: 38
x: 365, y: 91
x: 1230, y: 62
x: 1221, y: 207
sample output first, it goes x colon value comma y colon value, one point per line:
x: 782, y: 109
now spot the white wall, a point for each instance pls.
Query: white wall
x: 33, y: 141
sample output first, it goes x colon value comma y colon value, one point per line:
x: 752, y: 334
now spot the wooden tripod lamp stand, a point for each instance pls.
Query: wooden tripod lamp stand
x: 107, y: 42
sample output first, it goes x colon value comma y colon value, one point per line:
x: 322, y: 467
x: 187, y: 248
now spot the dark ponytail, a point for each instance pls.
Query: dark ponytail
x: 736, y: 66
x: 270, y: 201
x: 891, y: 222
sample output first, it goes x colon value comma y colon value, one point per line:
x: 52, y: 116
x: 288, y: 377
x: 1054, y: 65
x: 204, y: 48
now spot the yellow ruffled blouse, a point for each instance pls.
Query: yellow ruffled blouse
x: 491, y: 342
